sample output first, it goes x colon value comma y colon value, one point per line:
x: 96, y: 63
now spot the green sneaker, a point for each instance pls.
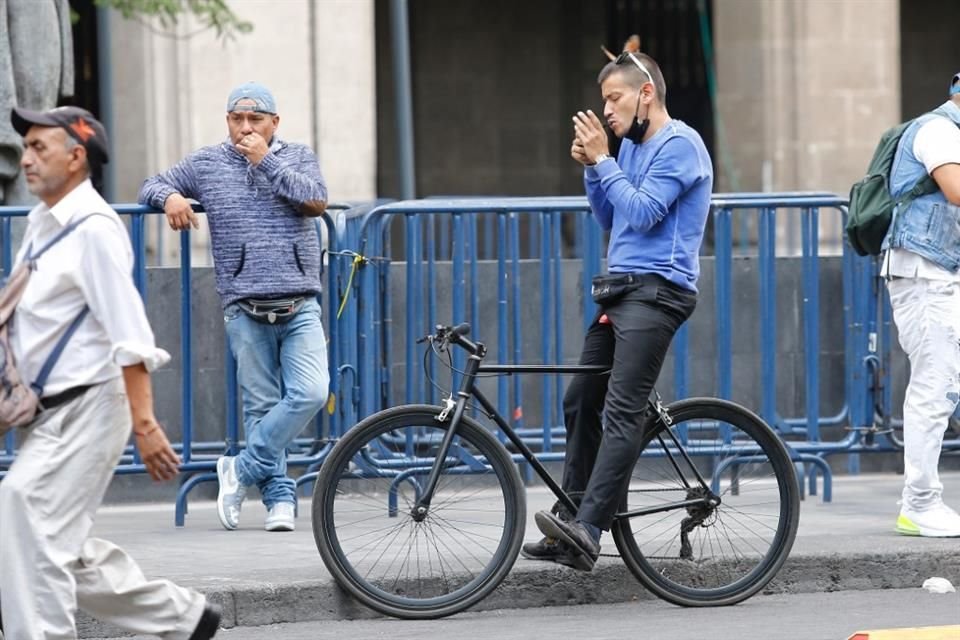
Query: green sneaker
x: 905, y: 526
x: 937, y: 522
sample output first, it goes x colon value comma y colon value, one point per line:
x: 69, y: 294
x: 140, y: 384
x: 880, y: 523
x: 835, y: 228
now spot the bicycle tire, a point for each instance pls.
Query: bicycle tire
x: 462, y: 552
x: 714, y: 433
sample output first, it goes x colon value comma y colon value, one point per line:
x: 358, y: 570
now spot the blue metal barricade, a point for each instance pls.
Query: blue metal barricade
x: 512, y: 270
x: 519, y: 270
x: 526, y: 245
x: 199, y: 457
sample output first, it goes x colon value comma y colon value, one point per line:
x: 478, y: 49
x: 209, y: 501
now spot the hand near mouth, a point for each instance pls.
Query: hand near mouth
x: 589, y: 131
x: 253, y: 146
x: 577, y: 153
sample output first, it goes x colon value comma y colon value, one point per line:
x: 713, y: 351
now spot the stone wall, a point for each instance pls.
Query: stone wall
x: 170, y: 92
x: 804, y: 89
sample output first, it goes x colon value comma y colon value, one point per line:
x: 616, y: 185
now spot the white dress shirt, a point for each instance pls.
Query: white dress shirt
x: 937, y: 143
x: 92, y: 265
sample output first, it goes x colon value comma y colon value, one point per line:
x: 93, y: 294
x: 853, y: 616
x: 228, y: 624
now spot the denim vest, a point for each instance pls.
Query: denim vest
x: 929, y: 226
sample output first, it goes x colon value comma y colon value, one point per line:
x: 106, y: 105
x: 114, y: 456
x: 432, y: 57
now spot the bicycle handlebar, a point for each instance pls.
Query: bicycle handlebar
x: 462, y: 329
x: 455, y: 335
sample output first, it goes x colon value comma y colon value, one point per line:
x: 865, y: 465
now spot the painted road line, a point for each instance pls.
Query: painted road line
x: 951, y: 632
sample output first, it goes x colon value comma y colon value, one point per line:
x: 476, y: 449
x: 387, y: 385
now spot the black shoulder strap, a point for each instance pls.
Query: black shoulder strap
x: 38, y: 384
x: 51, y: 360
x: 63, y: 233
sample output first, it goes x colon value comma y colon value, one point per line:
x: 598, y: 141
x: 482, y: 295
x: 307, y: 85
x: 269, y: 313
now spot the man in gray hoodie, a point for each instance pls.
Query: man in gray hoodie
x: 260, y: 193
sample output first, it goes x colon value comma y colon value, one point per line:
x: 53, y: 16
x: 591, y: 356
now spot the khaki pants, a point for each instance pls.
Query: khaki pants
x: 48, y: 565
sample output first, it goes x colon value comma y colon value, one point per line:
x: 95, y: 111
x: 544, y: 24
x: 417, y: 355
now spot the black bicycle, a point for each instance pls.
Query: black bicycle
x: 419, y: 510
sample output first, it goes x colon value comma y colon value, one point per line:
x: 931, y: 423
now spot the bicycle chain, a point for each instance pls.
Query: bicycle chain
x: 657, y: 490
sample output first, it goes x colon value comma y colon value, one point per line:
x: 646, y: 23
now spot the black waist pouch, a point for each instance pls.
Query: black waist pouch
x: 271, y: 311
x: 610, y: 287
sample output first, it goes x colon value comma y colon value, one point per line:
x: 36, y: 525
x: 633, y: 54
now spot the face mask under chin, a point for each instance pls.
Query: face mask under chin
x: 637, y: 130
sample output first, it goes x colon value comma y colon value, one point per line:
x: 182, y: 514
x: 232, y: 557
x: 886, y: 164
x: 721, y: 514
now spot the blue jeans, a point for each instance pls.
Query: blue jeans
x: 283, y: 377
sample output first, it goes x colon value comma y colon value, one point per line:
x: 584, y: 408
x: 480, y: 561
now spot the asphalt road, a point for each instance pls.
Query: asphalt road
x: 816, y: 616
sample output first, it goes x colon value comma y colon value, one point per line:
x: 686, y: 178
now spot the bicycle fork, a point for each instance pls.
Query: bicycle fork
x: 422, y: 506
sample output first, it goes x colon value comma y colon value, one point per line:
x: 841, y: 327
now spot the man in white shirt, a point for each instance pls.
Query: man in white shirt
x: 922, y: 268
x: 97, y: 392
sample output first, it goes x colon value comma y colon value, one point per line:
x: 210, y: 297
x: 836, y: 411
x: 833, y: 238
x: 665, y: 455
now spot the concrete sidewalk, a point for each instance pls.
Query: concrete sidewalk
x: 262, y: 578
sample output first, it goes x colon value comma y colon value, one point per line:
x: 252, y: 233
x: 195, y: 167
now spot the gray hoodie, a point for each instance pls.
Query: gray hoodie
x: 262, y: 247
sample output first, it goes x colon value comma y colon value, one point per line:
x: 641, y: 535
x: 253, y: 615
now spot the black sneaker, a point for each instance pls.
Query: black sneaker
x: 209, y: 623
x: 583, y: 549
x: 549, y: 549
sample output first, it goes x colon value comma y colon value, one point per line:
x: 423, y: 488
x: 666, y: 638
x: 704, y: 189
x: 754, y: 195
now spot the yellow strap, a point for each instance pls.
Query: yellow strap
x: 357, y: 261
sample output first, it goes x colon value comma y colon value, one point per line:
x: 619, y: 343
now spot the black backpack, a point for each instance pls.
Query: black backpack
x: 871, y: 205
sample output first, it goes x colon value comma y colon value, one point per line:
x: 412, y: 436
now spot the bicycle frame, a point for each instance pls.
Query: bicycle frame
x: 469, y: 389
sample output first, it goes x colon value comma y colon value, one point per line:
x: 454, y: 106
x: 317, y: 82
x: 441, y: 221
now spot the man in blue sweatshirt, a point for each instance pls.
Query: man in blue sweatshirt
x: 260, y: 194
x: 653, y: 199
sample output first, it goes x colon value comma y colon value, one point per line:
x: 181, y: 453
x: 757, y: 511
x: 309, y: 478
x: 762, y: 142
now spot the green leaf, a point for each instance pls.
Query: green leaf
x: 210, y: 14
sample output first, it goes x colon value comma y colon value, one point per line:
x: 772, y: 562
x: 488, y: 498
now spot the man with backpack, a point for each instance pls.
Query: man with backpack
x: 922, y: 270
x: 96, y: 392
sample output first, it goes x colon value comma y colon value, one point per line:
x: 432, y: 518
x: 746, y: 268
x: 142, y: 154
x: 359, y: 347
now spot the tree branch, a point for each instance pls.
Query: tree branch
x: 211, y: 14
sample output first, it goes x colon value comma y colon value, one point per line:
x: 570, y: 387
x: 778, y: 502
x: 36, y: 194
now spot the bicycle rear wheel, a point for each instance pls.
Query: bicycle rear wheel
x: 418, y: 565
x: 702, y: 554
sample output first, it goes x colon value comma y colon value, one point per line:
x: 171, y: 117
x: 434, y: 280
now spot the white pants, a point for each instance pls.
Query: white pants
x: 48, y: 565
x: 927, y: 314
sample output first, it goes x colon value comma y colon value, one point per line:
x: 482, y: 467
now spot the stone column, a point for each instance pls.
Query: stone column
x: 171, y: 91
x: 347, y: 102
x: 805, y: 88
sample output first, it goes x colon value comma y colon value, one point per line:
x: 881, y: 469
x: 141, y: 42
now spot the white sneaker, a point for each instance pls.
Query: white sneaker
x: 232, y: 493
x: 280, y: 517
x: 936, y: 522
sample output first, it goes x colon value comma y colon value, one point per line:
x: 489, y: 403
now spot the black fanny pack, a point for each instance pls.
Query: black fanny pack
x: 272, y: 311
x: 608, y: 288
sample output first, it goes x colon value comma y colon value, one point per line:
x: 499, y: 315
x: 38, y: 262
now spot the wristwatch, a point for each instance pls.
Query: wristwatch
x: 601, y: 158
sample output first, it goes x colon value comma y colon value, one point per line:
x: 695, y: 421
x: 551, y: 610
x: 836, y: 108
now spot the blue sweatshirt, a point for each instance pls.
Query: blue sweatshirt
x: 262, y: 246
x: 654, y: 200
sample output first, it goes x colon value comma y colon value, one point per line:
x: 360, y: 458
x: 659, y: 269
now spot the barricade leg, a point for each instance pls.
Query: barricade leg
x: 190, y: 483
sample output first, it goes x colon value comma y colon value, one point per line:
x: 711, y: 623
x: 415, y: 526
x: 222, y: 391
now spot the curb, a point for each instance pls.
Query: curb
x: 534, y: 586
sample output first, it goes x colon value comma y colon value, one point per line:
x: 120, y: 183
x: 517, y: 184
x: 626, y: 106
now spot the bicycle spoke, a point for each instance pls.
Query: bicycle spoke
x: 703, y: 552
x: 399, y: 556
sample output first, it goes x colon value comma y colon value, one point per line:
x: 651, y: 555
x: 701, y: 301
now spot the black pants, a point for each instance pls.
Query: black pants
x: 598, y: 460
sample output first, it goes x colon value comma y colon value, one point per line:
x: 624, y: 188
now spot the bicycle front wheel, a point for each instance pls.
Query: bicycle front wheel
x: 397, y: 560
x: 722, y: 504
